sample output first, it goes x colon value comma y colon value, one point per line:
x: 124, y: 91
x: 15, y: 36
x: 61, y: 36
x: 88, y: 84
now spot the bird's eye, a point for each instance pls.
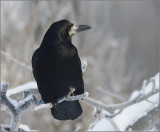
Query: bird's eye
x: 68, y: 28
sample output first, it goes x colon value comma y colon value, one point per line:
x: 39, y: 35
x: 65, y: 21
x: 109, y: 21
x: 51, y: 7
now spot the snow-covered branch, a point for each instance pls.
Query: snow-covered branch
x: 113, y: 107
x: 134, y: 111
x: 143, y: 95
x: 147, y: 122
x: 16, y: 108
x: 65, y: 98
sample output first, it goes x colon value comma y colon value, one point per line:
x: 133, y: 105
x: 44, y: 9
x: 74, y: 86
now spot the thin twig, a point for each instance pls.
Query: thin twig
x: 16, y: 61
x: 102, y: 106
x: 106, y: 92
x: 113, y: 107
x: 29, y: 68
x: 65, y: 98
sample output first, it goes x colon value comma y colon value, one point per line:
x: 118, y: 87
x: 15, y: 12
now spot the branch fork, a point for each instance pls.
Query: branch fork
x: 16, y: 108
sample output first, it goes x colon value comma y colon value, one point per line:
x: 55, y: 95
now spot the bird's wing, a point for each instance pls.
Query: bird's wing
x: 35, y: 59
x: 76, y: 76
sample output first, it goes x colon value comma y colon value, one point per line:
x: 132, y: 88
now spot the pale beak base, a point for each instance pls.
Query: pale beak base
x: 76, y: 29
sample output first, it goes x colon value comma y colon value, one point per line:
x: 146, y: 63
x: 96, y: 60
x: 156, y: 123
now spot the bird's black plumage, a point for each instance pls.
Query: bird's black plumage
x: 57, y: 67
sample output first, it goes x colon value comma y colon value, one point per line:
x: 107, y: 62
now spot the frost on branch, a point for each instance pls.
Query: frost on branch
x: 16, y: 108
x: 137, y: 113
x: 84, y: 65
x: 65, y: 98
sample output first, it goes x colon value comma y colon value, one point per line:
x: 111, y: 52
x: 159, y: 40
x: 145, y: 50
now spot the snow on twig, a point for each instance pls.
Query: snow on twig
x: 113, y: 107
x: 134, y: 110
x: 31, y: 86
x: 15, y: 108
x: 84, y: 65
x: 93, y: 102
x: 65, y: 98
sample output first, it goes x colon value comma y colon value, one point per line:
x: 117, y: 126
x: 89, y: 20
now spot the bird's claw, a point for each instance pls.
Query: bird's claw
x: 70, y: 92
x: 55, y: 104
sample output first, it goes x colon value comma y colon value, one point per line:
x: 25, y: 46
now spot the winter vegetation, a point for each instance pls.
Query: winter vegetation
x: 120, y: 61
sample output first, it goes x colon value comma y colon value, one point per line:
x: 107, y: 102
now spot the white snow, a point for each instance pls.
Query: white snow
x: 130, y: 114
x: 24, y: 127
x: 103, y: 125
x: 21, y: 88
x: 84, y: 65
x: 14, y: 102
x: 22, y: 102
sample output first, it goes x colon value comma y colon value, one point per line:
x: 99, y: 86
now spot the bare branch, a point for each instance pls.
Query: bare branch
x: 16, y: 61
x: 106, y: 92
x: 29, y: 68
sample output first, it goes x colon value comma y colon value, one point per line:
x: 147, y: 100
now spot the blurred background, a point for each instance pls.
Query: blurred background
x: 122, y: 49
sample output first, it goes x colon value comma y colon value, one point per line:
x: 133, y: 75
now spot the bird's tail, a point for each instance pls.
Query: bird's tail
x: 67, y: 110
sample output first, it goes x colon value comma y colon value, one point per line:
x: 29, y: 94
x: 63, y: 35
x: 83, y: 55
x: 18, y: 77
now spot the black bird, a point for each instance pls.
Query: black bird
x: 57, y: 68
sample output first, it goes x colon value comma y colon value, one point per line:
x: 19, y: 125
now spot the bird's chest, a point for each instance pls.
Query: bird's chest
x: 59, y: 63
x: 66, y: 51
x: 62, y: 61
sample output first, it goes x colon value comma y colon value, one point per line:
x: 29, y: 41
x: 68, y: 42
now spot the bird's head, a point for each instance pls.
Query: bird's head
x: 75, y: 29
x: 63, y: 29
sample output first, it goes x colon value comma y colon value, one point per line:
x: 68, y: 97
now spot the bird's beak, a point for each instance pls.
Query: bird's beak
x: 76, y: 29
x: 83, y: 28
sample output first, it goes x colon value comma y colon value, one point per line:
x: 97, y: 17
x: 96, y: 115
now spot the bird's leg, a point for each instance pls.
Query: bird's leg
x: 70, y: 92
x: 55, y: 104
